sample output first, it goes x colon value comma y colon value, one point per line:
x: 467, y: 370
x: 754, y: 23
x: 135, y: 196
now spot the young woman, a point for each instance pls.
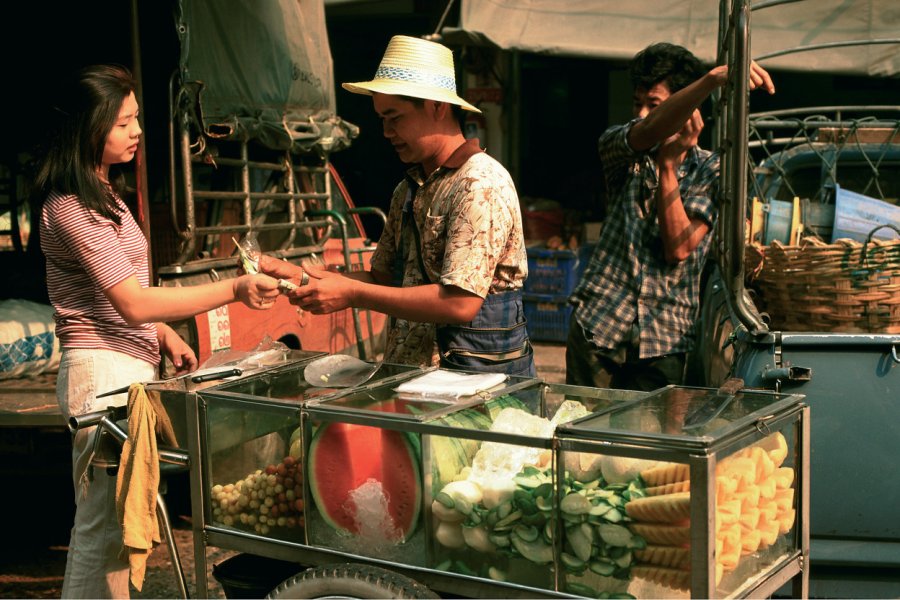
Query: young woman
x: 109, y: 320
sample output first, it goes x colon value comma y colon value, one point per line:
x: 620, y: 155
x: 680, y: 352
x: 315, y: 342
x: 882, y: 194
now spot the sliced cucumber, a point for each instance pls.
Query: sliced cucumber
x: 537, y: 519
x: 463, y: 568
x: 624, y: 560
x: 545, y: 490
x: 573, y: 518
x: 579, y: 589
x: 508, y: 520
x: 527, y: 482
x: 581, y: 544
x: 575, y: 504
x: 544, y: 504
x: 602, y: 567
x: 613, y: 515
x: 637, y: 542
x: 525, y: 502
x: 599, y: 509
x: 445, y: 499
x: 615, y: 535
x: 548, y: 530
x: 491, y: 518
x: 526, y: 532
x: 572, y: 563
x: 537, y: 552
x: 462, y: 505
x: 634, y: 491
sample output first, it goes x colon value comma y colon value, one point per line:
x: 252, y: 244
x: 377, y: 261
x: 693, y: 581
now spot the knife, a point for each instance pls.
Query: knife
x: 194, y: 379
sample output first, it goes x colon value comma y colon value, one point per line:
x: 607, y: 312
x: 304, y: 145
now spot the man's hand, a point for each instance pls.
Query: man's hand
x: 326, y: 292
x: 279, y: 269
x: 258, y: 292
x: 673, y: 150
x: 175, y: 348
x: 759, y: 77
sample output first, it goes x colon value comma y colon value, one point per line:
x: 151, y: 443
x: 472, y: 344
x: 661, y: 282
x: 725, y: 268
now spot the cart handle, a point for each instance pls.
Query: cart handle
x: 105, y: 420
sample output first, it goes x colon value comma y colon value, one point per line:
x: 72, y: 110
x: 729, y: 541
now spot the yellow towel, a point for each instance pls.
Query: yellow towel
x: 138, y: 484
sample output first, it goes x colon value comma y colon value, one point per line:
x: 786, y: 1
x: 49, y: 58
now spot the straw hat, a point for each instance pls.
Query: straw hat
x: 417, y: 68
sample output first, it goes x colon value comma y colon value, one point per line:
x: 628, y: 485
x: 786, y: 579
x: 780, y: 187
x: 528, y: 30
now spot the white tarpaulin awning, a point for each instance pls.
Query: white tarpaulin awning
x: 615, y: 29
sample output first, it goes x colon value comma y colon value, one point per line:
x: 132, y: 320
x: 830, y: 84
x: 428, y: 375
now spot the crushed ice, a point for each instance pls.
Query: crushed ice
x: 368, y: 504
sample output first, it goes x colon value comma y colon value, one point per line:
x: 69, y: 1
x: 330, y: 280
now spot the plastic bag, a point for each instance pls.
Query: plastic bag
x: 267, y: 352
x: 249, y: 251
x: 28, y: 342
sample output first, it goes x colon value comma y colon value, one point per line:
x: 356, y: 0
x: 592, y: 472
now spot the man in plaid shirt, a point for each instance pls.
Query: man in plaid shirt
x: 636, y: 304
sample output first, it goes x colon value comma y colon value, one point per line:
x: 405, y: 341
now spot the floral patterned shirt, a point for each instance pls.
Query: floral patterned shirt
x: 470, y: 232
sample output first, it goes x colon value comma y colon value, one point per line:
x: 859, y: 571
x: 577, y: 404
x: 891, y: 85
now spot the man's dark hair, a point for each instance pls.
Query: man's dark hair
x: 664, y: 62
x: 459, y: 113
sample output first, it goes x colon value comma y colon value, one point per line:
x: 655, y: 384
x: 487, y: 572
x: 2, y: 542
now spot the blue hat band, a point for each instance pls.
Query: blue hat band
x: 412, y: 76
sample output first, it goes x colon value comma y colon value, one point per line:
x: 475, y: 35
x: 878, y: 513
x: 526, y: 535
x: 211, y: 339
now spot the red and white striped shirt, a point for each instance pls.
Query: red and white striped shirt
x: 86, y: 254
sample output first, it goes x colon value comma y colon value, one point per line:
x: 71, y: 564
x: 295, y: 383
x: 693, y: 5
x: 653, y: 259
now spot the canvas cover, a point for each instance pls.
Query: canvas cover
x: 614, y: 29
x: 262, y: 70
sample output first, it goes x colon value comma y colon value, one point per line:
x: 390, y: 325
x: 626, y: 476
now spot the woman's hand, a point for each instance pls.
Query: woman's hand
x: 258, y: 292
x: 175, y: 348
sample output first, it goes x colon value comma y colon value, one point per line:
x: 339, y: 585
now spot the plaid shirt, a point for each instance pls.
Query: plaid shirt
x: 628, y: 281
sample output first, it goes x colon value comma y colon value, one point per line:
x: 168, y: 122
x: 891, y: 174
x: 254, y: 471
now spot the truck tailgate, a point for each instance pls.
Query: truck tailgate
x: 854, y: 398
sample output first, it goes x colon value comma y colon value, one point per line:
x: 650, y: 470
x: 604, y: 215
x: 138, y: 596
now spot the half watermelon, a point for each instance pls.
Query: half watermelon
x: 343, y: 457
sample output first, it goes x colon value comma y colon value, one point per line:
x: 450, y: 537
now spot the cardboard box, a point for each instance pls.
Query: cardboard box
x: 591, y: 232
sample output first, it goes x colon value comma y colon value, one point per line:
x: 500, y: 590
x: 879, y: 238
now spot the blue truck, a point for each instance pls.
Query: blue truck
x: 781, y: 317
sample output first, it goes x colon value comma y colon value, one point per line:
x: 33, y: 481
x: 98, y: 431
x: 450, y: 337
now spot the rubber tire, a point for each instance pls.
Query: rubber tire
x: 350, y: 580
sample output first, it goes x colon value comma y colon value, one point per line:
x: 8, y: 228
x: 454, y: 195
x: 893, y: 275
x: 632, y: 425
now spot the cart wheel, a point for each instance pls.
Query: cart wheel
x: 350, y: 580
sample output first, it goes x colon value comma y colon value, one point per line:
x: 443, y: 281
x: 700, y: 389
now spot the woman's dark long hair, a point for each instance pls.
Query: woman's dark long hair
x: 86, y: 111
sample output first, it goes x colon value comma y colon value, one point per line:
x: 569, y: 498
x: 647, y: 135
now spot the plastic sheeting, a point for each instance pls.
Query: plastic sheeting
x: 614, y: 29
x: 261, y: 69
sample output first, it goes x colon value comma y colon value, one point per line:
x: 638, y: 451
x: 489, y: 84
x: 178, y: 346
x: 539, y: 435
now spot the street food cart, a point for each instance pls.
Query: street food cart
x: 521, y: 489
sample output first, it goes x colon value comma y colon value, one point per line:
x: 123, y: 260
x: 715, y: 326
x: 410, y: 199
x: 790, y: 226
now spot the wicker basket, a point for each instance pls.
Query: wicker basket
x: 846, y: 286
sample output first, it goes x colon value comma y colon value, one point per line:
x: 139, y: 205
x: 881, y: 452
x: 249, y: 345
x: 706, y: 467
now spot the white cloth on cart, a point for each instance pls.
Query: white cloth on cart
x: 444, y: 383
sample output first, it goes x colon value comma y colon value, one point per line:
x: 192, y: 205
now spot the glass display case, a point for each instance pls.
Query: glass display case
x: 494, y: 509
x: 686, y: 492
x: 254, y: 448
x: 378, y: 456
x: 535, y: 488
x: 172, y: 398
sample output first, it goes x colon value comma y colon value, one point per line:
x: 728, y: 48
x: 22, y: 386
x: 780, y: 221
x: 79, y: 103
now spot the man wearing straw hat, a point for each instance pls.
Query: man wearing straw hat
x: 638, y: 297
x: 450, y: 264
